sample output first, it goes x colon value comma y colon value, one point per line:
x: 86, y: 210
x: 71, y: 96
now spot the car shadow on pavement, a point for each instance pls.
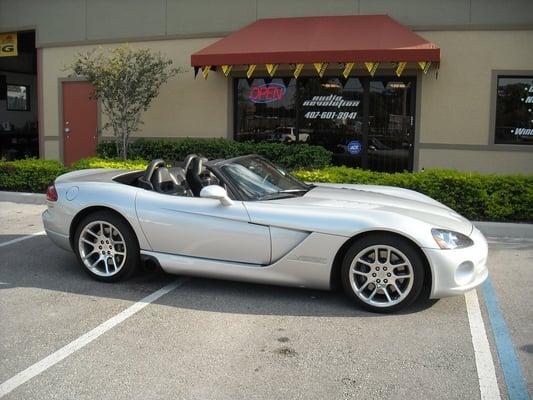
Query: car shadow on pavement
x: 38, y: 263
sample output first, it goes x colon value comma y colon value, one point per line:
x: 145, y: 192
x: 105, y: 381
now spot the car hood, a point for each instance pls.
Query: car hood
x: 364, y: 198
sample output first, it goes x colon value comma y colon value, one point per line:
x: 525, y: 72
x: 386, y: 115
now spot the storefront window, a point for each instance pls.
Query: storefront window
x: 266, y: 110
x: 514, y: 110
x: 331, y: 115
x: 365, y: 122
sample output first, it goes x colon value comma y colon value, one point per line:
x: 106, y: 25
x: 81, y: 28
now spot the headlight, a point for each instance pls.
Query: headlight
x: 449, y: 240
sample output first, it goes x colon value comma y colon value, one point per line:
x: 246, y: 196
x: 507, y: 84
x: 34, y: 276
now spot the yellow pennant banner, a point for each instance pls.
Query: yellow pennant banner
x: 424, y: 66
x: 320, y: 68
x: 372, y: 67
x: 205, y: 71
x: 399, y: 68
x: 250, y: 70
x: 271, y: 69
x: 347, y: 69
x: 8, y: 45
x: 226, y: 69
x: 298, y: 70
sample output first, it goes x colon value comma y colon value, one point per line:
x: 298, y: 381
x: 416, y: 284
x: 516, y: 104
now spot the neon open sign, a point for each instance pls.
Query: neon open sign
x: 266, y: 93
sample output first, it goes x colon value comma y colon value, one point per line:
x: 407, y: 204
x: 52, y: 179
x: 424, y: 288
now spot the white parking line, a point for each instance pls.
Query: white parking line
x: 83, y: 340
x: 20, y: 239
x: 488, y: 384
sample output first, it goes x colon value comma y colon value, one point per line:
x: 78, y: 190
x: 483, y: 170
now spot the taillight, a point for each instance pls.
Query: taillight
x: 51, y: 193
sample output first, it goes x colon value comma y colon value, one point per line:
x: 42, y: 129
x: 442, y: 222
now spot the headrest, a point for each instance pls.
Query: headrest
x: 178, y: 173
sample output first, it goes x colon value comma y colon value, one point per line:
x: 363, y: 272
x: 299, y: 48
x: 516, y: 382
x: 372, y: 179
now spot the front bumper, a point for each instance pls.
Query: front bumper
x: 52, y: 229
x: 458, y: 271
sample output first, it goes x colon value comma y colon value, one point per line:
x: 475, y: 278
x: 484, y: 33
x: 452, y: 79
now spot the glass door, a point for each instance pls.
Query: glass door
x: 331, y: 115
x: 391, y: 124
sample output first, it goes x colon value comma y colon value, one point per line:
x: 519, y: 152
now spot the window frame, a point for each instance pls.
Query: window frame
x: 496, y: 74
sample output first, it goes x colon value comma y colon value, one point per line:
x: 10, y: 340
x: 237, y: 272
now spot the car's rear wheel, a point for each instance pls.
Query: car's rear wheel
x: 106, y: 247
x: 383, y: 272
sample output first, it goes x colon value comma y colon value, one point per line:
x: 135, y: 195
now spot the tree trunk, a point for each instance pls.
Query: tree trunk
x: 117, y: 144
x: 125, y: 145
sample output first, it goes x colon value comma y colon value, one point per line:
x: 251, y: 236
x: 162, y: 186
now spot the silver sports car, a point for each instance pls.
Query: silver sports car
x: 246, y: 219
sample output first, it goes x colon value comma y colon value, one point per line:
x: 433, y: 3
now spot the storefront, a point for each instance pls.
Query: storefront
x: 433, y: 85
x: 358, y: 102
x: 18, y: 96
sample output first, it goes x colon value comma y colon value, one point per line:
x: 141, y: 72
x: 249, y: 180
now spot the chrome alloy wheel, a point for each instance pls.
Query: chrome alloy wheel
x: 102, y: 248
x: 381, y: 275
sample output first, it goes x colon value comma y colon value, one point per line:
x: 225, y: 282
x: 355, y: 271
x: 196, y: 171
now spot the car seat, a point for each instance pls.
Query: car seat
x: 163, y: 181
x: 194, y: 173
x: 179, y: 176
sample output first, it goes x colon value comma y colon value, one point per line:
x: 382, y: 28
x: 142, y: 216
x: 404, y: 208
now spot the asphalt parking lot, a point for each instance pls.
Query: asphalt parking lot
x: 208, y: 339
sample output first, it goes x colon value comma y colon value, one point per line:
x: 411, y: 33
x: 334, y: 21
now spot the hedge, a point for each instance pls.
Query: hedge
x: 476, y: 196
x: 95, y: 162
x: 290, y: 156
x: 34, y: 175
x: 29, y: 175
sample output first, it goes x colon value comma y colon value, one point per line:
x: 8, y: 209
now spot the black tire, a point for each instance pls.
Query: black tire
x: 392, y: 241
x: 131, y: 245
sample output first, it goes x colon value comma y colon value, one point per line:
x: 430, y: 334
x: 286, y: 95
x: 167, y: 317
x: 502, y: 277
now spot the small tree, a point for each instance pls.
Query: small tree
x: 125, y: 81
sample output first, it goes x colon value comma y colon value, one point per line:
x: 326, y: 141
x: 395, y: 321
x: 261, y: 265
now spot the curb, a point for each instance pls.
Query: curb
x: 22, y: 197
x: 505, y: 230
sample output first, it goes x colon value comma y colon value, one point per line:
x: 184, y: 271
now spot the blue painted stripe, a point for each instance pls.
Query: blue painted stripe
x: 512, y: 371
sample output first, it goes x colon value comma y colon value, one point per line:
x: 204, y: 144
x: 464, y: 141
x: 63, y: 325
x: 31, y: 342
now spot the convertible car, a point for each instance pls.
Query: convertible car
x: 249, y: 220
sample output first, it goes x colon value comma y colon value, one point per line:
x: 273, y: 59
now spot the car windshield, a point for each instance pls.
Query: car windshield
x: 257, y: 179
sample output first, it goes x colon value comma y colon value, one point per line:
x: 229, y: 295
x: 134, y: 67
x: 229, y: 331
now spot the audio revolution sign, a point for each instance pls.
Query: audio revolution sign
x: 330, y: 107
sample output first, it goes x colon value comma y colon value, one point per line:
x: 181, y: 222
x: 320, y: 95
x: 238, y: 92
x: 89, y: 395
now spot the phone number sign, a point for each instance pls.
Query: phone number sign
x: 330, y: 115
x: 331, y: 107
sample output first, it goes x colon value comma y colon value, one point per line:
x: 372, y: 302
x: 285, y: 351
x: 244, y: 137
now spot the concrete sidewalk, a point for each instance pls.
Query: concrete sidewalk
x: 505, y: 230
x: 22, y: 197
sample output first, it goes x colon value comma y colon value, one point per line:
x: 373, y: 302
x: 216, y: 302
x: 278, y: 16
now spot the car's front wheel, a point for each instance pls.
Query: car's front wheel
x: 106, y: 247
x: 383, y: 272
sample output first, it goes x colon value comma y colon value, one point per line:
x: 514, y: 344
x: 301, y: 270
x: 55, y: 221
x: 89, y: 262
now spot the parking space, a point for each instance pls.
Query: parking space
x: 210, y: 339
x: 511, y: 270
x: 19, y: 219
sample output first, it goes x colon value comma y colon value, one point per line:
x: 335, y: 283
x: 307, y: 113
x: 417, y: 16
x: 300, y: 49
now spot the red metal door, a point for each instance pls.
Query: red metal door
x: 80, y: 122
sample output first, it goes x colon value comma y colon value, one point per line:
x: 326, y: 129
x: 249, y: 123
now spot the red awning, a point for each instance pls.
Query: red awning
x: 364, y: 38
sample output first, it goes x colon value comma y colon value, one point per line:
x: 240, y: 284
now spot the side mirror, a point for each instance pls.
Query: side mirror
x: 216, y: 192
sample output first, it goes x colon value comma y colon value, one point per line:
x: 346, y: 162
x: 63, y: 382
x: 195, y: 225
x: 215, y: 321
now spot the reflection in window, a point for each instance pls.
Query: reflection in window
x: 332, y: 116
x: 390, y: 124
x: 18, y: 98
x: 514, y: 110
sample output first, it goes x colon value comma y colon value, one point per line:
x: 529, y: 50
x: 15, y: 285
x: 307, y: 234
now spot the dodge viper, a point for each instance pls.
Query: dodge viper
x: 247, y: 219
